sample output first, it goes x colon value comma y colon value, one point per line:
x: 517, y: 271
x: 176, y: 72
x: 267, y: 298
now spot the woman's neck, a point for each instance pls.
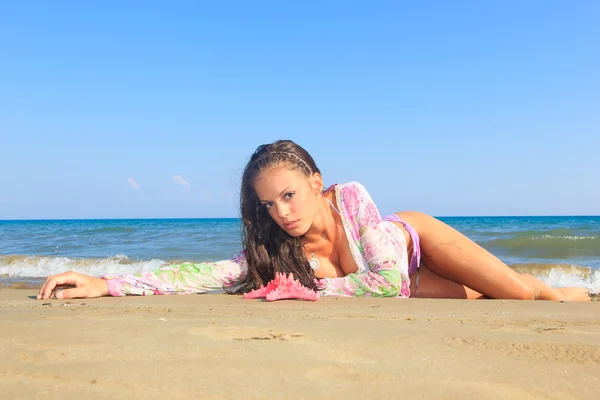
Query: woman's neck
x: 321, y: 226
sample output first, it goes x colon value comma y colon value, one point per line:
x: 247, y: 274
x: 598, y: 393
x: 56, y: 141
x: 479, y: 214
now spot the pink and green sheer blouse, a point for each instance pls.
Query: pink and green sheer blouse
x: 378, y: 248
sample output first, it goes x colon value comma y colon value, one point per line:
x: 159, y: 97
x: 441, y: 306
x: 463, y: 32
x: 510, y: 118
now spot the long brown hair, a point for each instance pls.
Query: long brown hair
x: 269, y: 248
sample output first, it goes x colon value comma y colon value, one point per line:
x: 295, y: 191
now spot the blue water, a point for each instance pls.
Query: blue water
x: 561, y: 250
x: 139, y: 239
x: 515, y: 240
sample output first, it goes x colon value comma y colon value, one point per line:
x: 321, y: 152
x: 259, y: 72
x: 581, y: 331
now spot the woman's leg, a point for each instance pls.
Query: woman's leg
x: 433, y: 286
x: 453, y: 256
x: 567, y: 293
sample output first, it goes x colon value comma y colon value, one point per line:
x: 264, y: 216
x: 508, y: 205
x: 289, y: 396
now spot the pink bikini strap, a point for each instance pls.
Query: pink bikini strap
x: 332, y: 206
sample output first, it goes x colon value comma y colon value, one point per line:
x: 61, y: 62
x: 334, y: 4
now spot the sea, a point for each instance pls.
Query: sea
x: 562, y: 251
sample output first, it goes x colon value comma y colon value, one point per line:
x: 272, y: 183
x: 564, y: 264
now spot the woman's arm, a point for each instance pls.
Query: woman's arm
x: 170, y: 279
x: 185, y: 278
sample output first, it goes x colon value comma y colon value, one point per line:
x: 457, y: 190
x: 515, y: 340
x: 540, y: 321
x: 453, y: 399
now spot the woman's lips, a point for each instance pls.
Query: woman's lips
x: 290, y: 225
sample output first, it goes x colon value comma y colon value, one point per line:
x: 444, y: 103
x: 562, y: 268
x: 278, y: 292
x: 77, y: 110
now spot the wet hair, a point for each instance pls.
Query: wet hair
x: 269, y: 249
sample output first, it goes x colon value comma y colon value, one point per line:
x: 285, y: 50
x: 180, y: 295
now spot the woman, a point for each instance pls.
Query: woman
x: 332, y: 240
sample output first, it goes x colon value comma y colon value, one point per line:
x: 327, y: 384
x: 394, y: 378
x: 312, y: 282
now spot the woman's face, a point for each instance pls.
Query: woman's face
x: 290, y: 197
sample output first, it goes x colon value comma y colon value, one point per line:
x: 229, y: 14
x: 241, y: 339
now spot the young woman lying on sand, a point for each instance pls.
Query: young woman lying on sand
x: 333, y: 241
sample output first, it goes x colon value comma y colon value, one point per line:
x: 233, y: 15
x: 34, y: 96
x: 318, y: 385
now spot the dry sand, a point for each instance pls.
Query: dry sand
x: 218, y: 346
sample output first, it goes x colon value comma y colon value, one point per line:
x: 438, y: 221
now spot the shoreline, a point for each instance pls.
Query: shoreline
x: 221, y: 345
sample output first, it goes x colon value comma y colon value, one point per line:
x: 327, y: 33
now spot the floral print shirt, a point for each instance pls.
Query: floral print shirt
x: 378, y: 247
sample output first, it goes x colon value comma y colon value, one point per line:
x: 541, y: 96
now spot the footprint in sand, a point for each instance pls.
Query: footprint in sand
x: 223, y: 333
x: 550, y: 330
x: 580, y: 353
x: 339, y: 373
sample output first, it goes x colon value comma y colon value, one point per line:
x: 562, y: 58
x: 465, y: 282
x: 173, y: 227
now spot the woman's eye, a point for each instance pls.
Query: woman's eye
x: 268, y: 205
x: 289, y: 195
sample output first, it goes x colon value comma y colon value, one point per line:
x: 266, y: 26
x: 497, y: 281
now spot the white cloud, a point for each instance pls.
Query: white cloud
x: 178, y: 179
x: 133, y: 183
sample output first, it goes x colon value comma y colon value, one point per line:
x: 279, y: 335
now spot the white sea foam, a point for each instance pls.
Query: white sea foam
x: 40, y: 267
x: 557, y: 278
x: 565, y: 237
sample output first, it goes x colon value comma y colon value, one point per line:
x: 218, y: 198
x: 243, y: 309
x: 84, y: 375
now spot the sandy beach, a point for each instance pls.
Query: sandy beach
x: 217, y: 346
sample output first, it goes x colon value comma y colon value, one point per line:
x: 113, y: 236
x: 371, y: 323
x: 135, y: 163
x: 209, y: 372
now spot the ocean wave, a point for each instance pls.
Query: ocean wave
x: 544, y: 270
x: 20, y: 269
x: 486, y: 232
x: 42, y: 266
x: 563, y: 275
x: 547, y: 246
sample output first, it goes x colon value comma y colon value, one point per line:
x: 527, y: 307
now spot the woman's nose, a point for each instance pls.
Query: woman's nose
x: 282, y: 211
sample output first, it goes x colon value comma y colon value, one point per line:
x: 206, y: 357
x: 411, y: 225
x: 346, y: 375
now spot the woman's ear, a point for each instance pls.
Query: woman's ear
x: 316, y: 181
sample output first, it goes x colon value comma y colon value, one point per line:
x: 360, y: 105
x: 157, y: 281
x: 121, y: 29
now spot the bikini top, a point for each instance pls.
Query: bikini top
x: 332, y: 206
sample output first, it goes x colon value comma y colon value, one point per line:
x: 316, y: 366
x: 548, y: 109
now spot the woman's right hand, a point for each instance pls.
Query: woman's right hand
x: 82, y: 286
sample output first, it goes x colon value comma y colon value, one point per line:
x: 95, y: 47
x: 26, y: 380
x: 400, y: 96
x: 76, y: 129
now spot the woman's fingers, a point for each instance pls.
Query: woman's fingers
x: 70, y: 285
x: 46, y: 288
x: 41, y: 291
x: 74, y: 293
x: 66, y: 278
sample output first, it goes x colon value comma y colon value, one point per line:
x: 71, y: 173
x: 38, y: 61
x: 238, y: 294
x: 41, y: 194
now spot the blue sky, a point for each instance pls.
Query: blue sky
x: 151, y: 109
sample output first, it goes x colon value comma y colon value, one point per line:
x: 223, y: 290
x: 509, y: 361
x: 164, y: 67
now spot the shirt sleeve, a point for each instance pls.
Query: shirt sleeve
x: 387, y: 259
x: 185, y: 278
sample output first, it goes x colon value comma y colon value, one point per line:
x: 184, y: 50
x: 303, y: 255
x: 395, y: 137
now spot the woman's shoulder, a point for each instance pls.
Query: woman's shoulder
x: 348, y: 186
x: 352, y: 192
x: 357, y: 200
x: 353, y: 198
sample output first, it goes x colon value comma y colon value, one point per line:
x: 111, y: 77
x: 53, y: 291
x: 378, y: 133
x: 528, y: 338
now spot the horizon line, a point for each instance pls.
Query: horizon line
x: 204, y: 218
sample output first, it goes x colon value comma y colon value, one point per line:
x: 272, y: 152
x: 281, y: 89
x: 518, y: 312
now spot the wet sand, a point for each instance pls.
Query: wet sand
x: 216, y: 346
